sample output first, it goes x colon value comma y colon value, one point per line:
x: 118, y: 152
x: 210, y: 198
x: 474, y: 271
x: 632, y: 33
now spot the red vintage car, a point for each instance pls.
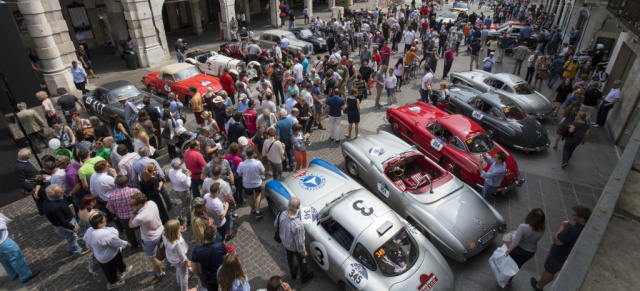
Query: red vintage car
x: 230, y: 49
x: 496, y: 26
x: 453, y: 141
x: 177, y: 78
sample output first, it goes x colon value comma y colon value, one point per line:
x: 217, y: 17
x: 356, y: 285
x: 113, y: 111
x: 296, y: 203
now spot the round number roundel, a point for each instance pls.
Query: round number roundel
x: 356, y: 276
x: 320, y: 255
x: 167, y: 87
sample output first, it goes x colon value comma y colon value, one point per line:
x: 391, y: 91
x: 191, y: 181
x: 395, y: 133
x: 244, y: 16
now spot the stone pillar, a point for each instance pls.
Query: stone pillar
x: 117, y: 22
x: 247, y: 10
x: 558, y: 10
x: 156, y: 10
x: 143, y: 32
x: 309, y: 5
x: 565, y: 11
x: 332, y: 3
x: 40, y: 19
x: 197, y: 16
x: 227, y: 10
x: 275, y: 13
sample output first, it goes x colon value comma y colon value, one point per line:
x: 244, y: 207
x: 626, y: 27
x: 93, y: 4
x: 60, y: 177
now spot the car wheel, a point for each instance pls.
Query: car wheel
x: 450, y: 166
x: 419, y: 228
x: 153, y: 89
x: 352, y: 168
x: 273, y: 207
x: 396, y: 127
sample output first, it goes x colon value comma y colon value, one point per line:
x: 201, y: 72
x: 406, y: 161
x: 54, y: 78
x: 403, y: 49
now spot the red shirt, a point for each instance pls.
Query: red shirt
x: 194, y: 161
x: 425, y: 25
x: 227, y: 83
x: 425, y: 11
x: 386, y: 52
x: 250, y: 116
x: 378, y: 58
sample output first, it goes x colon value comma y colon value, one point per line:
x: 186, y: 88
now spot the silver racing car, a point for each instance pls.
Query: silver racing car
x: 455, y: 218
x: 357, y: 240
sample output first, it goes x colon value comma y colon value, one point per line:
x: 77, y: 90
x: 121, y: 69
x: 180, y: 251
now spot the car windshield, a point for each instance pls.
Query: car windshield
x: 186, y: 74
x: 523, y: 89
x: 306, y: 33
x: 128, y: 91
x: 397, y: 255
x: 514, y: 113
x: 290, y: 35
x: 449, y: 14
x: 480, y: 143
x: 460, y: 5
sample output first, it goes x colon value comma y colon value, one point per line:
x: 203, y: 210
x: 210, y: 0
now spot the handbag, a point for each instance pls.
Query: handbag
x: 166, y: 131
x: 118, y: 136
x: 160, y: 251
x: 276, y: 236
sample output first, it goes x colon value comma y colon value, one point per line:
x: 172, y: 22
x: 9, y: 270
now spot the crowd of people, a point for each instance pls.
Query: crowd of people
x: 109, y: 173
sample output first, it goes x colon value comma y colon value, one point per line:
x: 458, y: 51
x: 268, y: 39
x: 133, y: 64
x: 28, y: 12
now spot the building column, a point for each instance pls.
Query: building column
x: 143, y: 32
x: 558, y: 11
x: 39, y: 22
x: 565, y: 11
x: 227, y: 10
x: 156, y: 11
x: 117, y: 22
x: 309, y: 5
x: 331, y: 4
x: 247, y: 10
x: 197, y: 16
x: 275, y: 13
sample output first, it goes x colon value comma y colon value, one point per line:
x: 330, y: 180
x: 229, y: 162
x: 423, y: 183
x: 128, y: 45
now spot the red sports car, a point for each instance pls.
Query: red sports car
x: 230, y: 49
x: 177, y: 78
x: 453, y: 141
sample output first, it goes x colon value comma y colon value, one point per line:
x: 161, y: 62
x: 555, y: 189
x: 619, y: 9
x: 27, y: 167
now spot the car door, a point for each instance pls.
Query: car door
x: 165, y: 83
x: 331, y: 247
x: 429, y: 142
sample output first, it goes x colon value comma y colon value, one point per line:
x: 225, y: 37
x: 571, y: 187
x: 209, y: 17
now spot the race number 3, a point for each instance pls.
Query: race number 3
x: 358, y: 206
x: 320, y: 255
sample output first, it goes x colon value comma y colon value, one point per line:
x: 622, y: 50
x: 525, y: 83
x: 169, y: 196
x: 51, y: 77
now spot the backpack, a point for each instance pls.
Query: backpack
x: 232, y: 164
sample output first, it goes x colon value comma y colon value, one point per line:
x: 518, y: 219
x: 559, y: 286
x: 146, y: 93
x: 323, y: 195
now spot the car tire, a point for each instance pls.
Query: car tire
x: 344, y: 286
x: 396, y: 127
x: 352, y: 168
x: 273, y: 208
x: 419, y: 228
x: 451, y: 167
x: 153, y: 89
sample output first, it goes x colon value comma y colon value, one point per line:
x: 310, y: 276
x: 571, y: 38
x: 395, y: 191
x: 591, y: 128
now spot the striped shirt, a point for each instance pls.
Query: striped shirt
x: 119, y: 202
x: 291, y: 232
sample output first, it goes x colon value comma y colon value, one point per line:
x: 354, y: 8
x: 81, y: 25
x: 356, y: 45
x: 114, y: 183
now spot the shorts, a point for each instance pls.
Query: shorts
x: 250, y: 191
x: 552, y: 265
x: 199, y: 119
x: 149, y: 247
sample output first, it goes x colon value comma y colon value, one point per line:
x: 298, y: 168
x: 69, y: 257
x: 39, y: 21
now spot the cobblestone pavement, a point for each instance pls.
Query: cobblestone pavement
x: 547, y: 186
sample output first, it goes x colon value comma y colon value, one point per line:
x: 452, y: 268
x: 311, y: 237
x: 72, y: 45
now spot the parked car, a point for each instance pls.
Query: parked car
x: 271, y: 37
x: 461, y: 6
x: 448, y: 16
x: 506, y: 24
x: 453, y: 141
x: 177, y: 78
x: 508, y: 85
x: 102, y: 103
x: 357, y: 240
x: 318, y: 40
x: 424, y: 194
x: 500, y: 116
x: 230, y: 49
x: 212, y: 63
x: 515, y: 35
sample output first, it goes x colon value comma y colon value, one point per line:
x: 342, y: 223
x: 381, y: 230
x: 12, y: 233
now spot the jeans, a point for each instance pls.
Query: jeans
x: 300, y: 265
x: 180, y: 57
x: 288, y: 152
x: 424, y: 95
x: 13, y: 261
x: 292, y: 24
x: 446, y: 70
x: 603, y: 111
x: 186, y: 199
x: 195, y: 185
x: 568, y: 149
x: 311, y: 120
x: 552, y: 79
x: 239, y: 195
x: 334, y: 127
x: 71, y: 237
x: 81, y: 86
x: 487, y: 191
x: 278, y: 91
x: 390, y: 96
x: 276, y: 170
x: 529, y: 76
x: 474, y: 59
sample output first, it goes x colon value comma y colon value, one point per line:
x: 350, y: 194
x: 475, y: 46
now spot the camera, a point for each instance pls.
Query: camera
x: 307, y: 142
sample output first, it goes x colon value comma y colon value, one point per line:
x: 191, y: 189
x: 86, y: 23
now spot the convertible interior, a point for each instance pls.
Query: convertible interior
x: 406, y: 173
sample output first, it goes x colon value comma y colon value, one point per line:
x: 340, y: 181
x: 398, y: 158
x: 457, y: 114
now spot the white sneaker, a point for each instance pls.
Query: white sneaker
x: 115, y: 285
x: 596, y: 125
x: 123, y: 274
x: 593, y: 123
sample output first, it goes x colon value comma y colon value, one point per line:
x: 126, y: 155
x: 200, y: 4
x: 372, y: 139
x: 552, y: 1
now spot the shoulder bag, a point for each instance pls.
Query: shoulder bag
x: 276, y: 236
x: 269, y: 150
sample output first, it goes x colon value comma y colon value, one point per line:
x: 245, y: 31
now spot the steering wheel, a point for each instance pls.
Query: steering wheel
x: 398, y: 168
x: 438, y: 130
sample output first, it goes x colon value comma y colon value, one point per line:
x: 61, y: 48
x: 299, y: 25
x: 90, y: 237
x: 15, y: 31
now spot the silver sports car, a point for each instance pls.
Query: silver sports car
x: 455, y: 218
x: 509, y: 85
x: 358, y: 241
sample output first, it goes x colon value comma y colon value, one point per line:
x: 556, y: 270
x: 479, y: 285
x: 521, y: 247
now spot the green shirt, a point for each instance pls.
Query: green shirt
x: 87, y: 169
x: 104, y: 153
x: 343, y: 72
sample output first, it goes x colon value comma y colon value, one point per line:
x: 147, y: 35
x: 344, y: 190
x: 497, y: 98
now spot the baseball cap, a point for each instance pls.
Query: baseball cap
x: 243, y: 141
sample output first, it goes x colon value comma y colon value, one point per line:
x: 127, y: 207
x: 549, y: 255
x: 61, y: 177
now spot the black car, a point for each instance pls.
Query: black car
x: 502, y: 118
x: 319, y: 41
x: 102, y: 103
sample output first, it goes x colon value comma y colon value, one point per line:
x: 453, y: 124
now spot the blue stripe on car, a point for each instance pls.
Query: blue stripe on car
x: 326, y: 165
x: 277, y: 187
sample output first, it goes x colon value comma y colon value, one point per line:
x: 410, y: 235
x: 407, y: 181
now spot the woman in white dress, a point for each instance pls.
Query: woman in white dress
x: 141, y: 139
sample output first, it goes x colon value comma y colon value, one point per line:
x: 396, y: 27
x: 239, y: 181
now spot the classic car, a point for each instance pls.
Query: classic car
x: 453, y: 141
x: 501, y: 25
x: 230, y: 49
x: 271, y: 37
x: 177, y: 78
x: 502, y: 118
x: 318, y: 40
x: 212, y: 63
x: 102, y: 103
x: 357, y: 240
x: 448, y: 16
x: 515, y: 35
x: 461, y: 5
x: 455, y: 218
x: 508, y: 85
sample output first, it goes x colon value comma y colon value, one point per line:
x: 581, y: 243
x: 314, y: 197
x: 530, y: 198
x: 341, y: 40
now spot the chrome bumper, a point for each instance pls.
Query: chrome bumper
x: 504, y: 190
x: 532, y: 149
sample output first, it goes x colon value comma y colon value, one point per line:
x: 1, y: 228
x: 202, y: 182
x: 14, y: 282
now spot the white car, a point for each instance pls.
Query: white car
x: 356, y: 239
x: 212, y: 63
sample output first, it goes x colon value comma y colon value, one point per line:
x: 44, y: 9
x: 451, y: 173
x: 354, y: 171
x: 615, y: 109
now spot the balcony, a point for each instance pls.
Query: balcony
x: 626, y: 13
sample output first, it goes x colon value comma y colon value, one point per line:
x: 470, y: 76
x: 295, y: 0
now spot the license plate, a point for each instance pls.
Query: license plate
x: 487, y: 237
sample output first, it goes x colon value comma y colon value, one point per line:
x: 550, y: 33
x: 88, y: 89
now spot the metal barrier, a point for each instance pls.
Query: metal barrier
x: 579, y: 261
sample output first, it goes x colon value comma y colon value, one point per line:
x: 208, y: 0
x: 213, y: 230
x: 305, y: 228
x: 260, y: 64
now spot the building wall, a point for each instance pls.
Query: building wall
x: 626, y: 49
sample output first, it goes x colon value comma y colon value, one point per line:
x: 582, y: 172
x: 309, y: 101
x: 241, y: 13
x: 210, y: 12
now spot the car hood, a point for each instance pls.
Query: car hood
x: 322, y: 182
x: 432, y: 273
x: 201, y: 82
x: 380, y: 147
x: 298, y: 43
x: 466, y: 215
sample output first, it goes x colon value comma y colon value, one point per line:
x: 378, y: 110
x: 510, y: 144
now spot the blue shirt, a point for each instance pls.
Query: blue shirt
x: 305, y: 65
x: 242, y: 107
x: 130, y: 113
x: 335, y: 106
x: 487, y: 22
x: 283, y: 128
x: 496, y: 173
x: 290, y: 90
x: 139, y: 166
x: 284, y: 43
x: 78, y: 74
x: 568, y: 236
x: 201, y: 256
x: 173, y: 107
x: 526, y: 31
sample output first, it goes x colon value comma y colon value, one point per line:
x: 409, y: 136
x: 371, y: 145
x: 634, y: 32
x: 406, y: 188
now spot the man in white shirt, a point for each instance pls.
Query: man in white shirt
x: 288, y: 105
x: 181, y: 184
x: 103, y: 181
x: 79, y: 77
x: 294, y: 115
x: 612, y: 98
x: 284, y: 41
x: 252, y: 172
x: 262, y: 86
x: 425, y: 87
x: 217, y: 209
x: 278, y: 51
x: 298, y: 71
x: 225, y: 196
x: 408, y: 38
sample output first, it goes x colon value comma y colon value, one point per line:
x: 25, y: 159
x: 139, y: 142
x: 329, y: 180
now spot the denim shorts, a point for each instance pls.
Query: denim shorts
x: 149, y: 247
